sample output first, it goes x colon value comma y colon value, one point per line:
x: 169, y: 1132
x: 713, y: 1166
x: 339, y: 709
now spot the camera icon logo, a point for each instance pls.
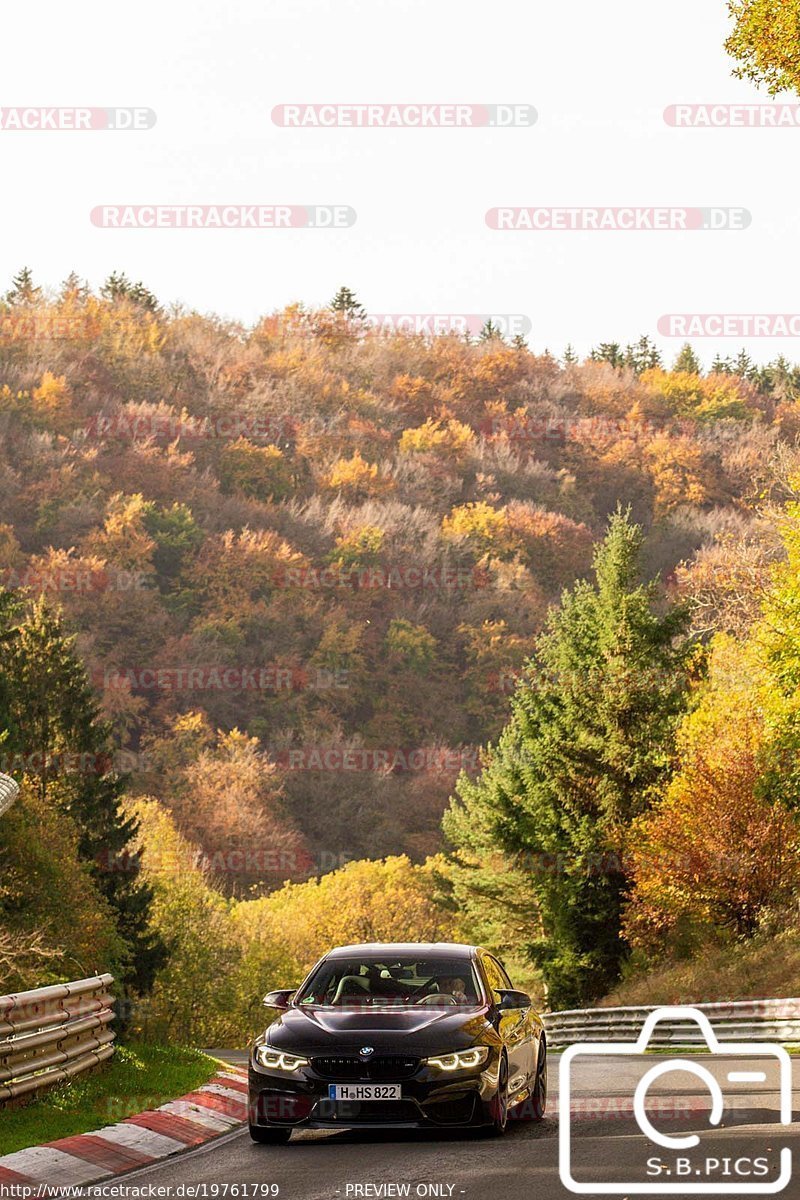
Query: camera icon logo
x: 685, y: 1167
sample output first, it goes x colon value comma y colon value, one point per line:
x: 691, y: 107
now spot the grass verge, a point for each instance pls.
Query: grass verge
x: 138, y: 1077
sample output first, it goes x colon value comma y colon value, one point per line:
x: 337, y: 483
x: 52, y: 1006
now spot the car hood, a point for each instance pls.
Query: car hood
x: 413, y: 1030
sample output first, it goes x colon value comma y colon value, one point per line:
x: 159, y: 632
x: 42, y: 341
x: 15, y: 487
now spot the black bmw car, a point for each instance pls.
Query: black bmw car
x: 404, y: 1035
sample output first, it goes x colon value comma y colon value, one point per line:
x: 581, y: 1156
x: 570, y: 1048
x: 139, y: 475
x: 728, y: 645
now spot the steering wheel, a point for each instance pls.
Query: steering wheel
x: 438, y: 998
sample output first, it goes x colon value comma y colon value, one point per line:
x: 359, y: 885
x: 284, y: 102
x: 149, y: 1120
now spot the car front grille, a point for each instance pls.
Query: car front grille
x: 382, y: 1068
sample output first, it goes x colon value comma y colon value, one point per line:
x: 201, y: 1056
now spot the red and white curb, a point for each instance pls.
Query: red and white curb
x: 215, y: 1108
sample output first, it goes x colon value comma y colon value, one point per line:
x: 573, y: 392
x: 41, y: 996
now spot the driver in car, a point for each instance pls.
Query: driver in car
x: 453, y: 986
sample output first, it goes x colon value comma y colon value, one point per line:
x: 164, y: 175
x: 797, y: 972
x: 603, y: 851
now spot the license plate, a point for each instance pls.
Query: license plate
x: 364, y: 1091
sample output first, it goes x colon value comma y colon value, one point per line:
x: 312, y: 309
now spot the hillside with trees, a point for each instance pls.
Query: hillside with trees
x: 280, y: 599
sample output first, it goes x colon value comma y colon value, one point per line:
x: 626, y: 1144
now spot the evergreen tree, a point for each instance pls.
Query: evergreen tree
x: 518, y: 342
x: 610, y: 352
x: 56, y: 734
x: 570, y: 357
x: 721, y: 366
x: 643, y: 355
x: 588, y: 746
x: 118, y: 287
x: 743, y: 365
x: 73, y: 290
x: 346, y: 302
x: 23, y: 290
x: 687, y: 360
x: 176, y: 534
x: 779, y: 379
x: 9, y: 611
x: 490, y: 332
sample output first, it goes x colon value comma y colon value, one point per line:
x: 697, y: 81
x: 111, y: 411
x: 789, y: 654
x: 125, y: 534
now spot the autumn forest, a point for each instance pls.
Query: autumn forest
x: 314, y: 632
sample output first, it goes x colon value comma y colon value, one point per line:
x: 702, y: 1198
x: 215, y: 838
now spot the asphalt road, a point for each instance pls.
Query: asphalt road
x: 606, y: 1146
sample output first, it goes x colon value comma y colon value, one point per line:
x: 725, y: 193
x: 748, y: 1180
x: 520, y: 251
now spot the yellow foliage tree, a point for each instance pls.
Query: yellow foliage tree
x: 679, y: 472
x: 705, y: 398
x: 452, y: 439
x: 388, y: 900
x: 51, y: 402
x: 48, y: 898
x: 719, y: 850
x: 193, y: 996
x: 487, y: 528
x: 354, y: 478
x: 124, y: 539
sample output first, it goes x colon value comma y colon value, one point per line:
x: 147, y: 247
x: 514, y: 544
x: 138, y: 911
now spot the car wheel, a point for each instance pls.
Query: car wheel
x: 532, y: 1108
x: 269, y: 1135
x: 500, y: 1101
x: 539, y: 1094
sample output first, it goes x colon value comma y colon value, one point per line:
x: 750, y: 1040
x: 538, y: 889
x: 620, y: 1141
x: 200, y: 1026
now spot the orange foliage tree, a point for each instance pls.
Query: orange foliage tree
x: 719, y: 850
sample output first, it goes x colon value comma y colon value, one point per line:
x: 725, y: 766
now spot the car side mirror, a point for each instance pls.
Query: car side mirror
x: 510, y: 999
x: 281, y: 998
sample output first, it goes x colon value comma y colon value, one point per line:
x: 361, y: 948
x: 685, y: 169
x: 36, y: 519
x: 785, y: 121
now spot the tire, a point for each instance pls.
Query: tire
x: 270, y: 1135
x: 500, y: 1101
x: 533, y: 1107
x: 539, y: 1094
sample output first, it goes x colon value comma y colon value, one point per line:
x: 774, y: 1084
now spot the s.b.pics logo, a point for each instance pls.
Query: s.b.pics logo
x: 687, y: 1110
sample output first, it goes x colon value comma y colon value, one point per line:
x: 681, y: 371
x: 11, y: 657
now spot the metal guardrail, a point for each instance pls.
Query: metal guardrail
x: 9, y: 790
x: 742, y: 1021
x: 51, y: 1034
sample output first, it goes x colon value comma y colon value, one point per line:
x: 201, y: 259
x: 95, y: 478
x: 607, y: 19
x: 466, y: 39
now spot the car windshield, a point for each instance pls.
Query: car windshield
x: 366, y: 980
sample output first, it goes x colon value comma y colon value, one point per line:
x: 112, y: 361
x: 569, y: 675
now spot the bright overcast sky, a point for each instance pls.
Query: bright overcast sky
x: 599, y: 76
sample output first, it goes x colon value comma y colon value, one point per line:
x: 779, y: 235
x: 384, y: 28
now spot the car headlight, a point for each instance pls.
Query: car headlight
x: 461, y: 1060
x: 278, y: 1060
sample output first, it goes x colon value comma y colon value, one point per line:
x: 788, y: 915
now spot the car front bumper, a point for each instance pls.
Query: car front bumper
x: 429, y: 1101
